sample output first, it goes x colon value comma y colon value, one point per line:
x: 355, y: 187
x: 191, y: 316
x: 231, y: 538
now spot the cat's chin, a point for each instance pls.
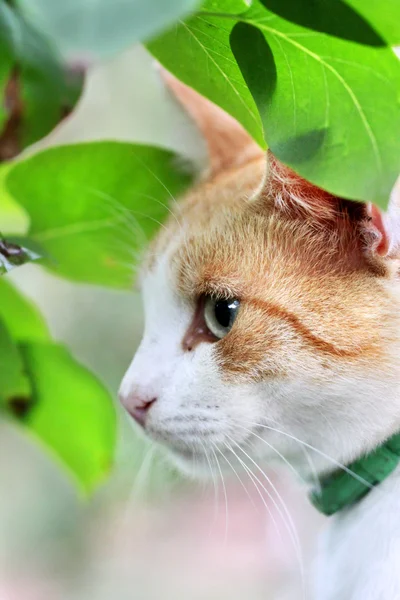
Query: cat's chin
x: 189, y: 464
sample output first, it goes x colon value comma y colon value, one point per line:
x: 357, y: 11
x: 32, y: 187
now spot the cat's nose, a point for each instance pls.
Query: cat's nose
x: 138, y: 407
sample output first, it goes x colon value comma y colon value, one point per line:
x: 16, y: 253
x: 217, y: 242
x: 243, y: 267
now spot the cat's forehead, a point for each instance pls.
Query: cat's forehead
x: 229, y: 236
x: 227, y: 248
x: 208, y: 214
x: 238, y: 250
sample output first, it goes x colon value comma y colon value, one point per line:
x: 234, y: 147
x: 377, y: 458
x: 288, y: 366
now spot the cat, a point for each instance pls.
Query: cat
x: 272, y: 321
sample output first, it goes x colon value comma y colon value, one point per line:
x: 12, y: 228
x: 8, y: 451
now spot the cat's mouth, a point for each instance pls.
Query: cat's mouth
x: 201, y: 452
x: 189, y: 457
x: 184, y: 446
x: 180, y: 446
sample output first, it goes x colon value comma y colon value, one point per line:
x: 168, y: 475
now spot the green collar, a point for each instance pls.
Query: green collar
x: 345, y: 487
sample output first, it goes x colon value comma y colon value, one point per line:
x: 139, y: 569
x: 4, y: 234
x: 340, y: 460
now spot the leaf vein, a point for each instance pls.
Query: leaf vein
x: 224, y: 75
x: 346, y: 86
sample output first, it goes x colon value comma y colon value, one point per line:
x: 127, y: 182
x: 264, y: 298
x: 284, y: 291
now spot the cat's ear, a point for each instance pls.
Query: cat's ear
x: 300, y: 199
x: 229, y: 145
x: 391, y: 222
x: 379, y: 230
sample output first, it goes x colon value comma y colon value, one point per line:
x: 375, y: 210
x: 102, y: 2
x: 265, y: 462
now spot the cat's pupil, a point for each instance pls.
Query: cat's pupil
x: 225, y: 311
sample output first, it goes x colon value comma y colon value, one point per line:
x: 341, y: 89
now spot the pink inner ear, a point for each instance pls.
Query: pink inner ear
x: 382, y: 238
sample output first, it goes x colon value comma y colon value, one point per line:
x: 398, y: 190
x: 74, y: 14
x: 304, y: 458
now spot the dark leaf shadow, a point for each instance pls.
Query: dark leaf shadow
x: 256, y: 62
x: 301, y: 148
x: 333, y: 17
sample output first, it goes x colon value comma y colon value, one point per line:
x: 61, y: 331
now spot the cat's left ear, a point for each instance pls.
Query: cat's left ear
x: 229, y: 145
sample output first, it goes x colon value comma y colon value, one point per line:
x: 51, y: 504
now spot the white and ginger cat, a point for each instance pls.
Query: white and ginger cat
x: 272, y: 316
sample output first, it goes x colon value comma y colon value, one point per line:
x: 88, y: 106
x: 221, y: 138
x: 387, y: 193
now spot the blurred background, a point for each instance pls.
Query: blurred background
x: 147, y: 533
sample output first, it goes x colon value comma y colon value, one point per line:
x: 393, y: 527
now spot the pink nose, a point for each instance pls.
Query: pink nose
x: 138, y: 407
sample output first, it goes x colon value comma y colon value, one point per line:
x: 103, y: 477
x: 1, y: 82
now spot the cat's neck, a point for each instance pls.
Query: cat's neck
x: 360, y: 551
x: 339, y: 437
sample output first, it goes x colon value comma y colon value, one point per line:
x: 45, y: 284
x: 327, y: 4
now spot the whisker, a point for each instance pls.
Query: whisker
x: 290, y: 465
x: 225, y: 495
x: 216, y: 498
x: 157, y: 179
x: 138, y: 485
x: 235, y: 472
x: 289, y: 524
x: 122, y: 211
x: 142, y: 474
x: 310, y: 447
x: 253, y: 480
x: 313, y: 470
x: 171, y: 212
x: 128, y: 219
x: 281, y: 456
x: 113, y: 203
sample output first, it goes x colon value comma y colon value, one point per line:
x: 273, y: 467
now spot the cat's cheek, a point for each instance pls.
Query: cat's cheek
x: 193, y: 408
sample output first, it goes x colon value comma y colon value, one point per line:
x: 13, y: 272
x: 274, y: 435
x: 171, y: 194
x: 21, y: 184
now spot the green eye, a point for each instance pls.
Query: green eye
x: 220, y: 315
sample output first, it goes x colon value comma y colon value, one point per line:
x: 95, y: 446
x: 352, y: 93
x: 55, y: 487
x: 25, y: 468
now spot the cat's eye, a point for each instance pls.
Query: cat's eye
x: 220, y: 314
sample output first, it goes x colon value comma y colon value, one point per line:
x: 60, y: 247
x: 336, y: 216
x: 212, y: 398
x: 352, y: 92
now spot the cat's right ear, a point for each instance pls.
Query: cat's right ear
x: 228, y: 143
x: 297, y: 198
x: 391, y: 222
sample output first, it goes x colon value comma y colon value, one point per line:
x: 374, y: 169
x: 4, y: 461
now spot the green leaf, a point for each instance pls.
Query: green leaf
x: 19, y: 320
x: 12, y: 216
x: 384, y: 16
x: 337, y: 18
x: 54, y: 397
x: 101, y: 27
x: 233, y: 7
x: 14, y: 384
x: 72, y: 412
x: 198, y: 52
x: 43, y: 85
x: 329, y: 107
x: 21, y: 317
x: 333, y: 111
x: 39, y: 87
x: 6, y: 56
x: 93, y: 206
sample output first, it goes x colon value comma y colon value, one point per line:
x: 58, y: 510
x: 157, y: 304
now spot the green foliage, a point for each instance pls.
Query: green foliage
x: 325, y: 83
x: 198, y: 52
x: 93, y: 206
x: 351, y: 20
x: 55, y: 398
x: 383, y: 16
x: 326, y: 134
x: 21, y: 318
x: 101, y: 27
x: 39, y: 85
x: 233, y: 7
x: 71, y: 412
x: 6, y: 54
x: 14, y: 382
x: 12, y: 216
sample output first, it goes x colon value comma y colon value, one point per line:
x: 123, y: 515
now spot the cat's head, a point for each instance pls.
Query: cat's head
x: 269, y: 304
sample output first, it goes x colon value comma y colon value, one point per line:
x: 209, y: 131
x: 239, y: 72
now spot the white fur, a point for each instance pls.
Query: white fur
x: 360, y: 551
x: 198, y: 410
